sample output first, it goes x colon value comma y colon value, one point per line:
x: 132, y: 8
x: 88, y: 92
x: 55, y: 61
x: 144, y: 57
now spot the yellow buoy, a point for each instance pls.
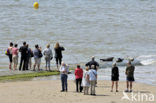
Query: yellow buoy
x: 36, y: 5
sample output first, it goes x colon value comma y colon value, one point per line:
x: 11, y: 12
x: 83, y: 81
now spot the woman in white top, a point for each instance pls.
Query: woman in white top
x: 85, y: 82
x: 48, y: 56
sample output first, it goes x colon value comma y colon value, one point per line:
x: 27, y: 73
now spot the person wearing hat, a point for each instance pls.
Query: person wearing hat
x: 92, y: 62
x: 115, y: 76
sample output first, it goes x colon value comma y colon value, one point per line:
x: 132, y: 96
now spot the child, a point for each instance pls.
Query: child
x: 85, y: 82
x: 115, y: 76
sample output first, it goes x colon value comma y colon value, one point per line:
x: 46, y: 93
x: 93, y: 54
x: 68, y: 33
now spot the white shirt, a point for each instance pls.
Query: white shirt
x: 63, y: 70
x: 92, y: 74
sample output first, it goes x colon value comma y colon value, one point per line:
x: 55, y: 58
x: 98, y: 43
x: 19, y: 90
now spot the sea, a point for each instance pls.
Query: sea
x: 85, y: 28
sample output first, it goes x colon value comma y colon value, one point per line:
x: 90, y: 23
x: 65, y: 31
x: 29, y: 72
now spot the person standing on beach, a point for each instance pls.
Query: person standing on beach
x: 78, y: 77
x: 92, y: 76
x: 24, y: 50
x: 37, y: 57
x: 48, y: 56
x: 9, y: 53
x: 85, y: 82
x: 93, y: 62
x: 15, y: 56
x: 58, y: 53
x: 29, y: 55
x: 115, y: 76
x: 130, y: 76
x: 64, y: 75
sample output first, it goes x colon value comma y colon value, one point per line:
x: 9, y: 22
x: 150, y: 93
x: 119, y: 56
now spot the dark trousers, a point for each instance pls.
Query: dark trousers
x: 78, y: 85
x: 64, y: 82
x: 58, y: 60
x: 23, y: 63
x: 27, y: 62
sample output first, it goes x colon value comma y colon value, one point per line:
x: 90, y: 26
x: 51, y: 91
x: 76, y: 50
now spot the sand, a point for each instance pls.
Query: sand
x: 49, y: 92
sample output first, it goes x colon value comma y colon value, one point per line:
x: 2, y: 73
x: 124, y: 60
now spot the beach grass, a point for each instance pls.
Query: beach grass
x: 28, y: 75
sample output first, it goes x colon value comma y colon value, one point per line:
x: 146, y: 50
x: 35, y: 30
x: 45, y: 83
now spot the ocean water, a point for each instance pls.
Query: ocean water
x: 103, y: 28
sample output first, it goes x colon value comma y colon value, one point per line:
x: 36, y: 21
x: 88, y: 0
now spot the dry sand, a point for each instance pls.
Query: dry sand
x: 49, y: 92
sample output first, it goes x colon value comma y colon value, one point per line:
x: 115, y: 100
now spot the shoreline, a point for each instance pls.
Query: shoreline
x: 49, y: 92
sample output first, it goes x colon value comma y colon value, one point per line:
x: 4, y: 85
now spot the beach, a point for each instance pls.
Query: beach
x: 49, y: 92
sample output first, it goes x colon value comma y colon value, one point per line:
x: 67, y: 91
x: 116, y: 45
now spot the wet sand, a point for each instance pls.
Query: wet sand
x: 49, y: 92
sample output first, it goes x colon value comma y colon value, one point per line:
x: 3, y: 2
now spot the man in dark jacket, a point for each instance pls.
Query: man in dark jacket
x: 24, y: 50
x: 93, y: 62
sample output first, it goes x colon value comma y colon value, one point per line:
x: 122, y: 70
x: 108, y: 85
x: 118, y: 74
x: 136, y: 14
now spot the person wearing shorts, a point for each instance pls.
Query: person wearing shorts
x: 130, y: 76
x: 15, y: 56
x: 37, y: 59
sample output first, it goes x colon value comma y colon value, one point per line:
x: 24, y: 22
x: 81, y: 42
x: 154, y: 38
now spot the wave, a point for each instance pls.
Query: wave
x: 139, y: 61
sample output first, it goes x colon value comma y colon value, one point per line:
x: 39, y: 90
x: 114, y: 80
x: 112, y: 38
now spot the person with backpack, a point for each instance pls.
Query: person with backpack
x: 9, y: 54
x: 48, y: 56
x: 130, y: 76
x: 37, y: 57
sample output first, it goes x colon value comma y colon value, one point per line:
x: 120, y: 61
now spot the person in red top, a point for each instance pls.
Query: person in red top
x: 78, y: 77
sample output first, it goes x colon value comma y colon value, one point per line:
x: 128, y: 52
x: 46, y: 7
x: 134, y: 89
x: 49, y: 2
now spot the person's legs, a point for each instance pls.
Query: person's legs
x: 131, y: 86
x: 84, y: 90
x: 29, y: 63
x: 39, y: 62
x: 35, y: 63
x: 10, y: 59
x: 25, y: 63
x: 60, y: 61
x: 112, y: 86
x: 94, y: 83
x: 91, y: 87
x: 66, y: 84
x: 57, y: 62
x: 77, y: 90
x: 116, y: 86
x: 48, y: 64
x: 62, y: 81
x: 21, y: 63
x: 87, y: 88
x: 80, y: 81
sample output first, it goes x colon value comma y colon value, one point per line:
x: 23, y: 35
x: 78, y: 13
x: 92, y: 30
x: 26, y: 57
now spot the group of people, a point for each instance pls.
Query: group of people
x: 84, y: 80
x: 27, y: 53
x: 88, y: 78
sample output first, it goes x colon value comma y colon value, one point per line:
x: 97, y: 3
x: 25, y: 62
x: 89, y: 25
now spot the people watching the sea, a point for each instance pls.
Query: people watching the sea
x: 85, y: 82
x: 92, y: 76
x: 130, y: 76
x: 37, y: 57
x: 64, y: 76
x: 29, y: 55
x: 78, y: 78
x: 115, y: 76
x: 48, y: 56
x: 9, y: 54
x: 93, y: 62
x: 24, y: 50
x: 58, y: 53
x: 15, y: 56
